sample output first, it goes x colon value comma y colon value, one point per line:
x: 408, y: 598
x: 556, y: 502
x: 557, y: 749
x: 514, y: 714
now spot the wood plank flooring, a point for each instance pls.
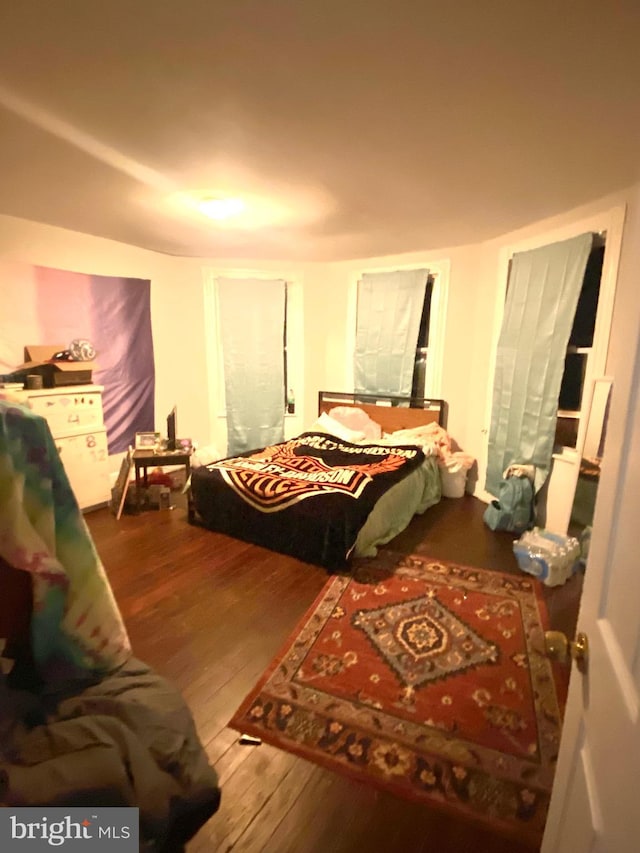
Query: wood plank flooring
x: 209, y: 613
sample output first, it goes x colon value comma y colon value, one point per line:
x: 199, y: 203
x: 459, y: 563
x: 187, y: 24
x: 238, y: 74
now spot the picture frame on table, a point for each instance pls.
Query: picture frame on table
x: 147, y: 440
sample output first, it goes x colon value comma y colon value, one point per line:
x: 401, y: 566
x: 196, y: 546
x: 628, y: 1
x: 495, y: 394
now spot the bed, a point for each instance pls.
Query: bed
x: 341, y: 489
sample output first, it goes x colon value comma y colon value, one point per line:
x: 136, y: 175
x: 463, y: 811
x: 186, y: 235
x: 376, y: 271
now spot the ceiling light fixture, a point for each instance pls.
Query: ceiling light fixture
x: 250, y: 210
x: 221, y: 208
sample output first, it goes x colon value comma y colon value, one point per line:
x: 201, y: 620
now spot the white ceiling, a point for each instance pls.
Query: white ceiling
x: 375, y: 127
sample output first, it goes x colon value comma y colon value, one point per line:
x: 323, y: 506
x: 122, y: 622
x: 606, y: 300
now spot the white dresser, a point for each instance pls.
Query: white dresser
x: 76, y: 421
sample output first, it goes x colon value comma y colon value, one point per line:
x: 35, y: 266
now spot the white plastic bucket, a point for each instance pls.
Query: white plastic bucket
x: 453, y: 474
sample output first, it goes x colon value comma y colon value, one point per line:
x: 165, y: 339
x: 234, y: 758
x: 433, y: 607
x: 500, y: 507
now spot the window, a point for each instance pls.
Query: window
x: 289, y: 393
x: 418, y: 385
x: 579, y: 350
x: 292, y: 338
x: 426, y: 378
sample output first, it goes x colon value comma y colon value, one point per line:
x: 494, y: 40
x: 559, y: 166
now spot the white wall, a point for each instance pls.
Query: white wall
x: 203, y: 332
x: 490, y: 282
x: 477, y: 284
x: 336, y: 285
x: 477, y: 277
x: 176, y: 299
x: 181, y: 326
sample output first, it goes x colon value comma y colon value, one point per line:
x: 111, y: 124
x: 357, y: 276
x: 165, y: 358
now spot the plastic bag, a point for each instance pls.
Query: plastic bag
x: 453, y: 473
x: 550, y: 557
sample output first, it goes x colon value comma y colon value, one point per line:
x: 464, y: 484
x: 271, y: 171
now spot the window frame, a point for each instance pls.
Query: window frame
x: 292, y: 337
x: 422, y: 349
x: 439, y: 272
x: 609, y: 222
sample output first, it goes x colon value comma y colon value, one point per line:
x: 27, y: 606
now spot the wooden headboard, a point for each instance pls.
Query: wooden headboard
x: 390, y: 412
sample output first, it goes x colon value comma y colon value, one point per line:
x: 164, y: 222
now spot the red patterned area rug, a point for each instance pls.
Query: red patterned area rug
x: 431, y: 682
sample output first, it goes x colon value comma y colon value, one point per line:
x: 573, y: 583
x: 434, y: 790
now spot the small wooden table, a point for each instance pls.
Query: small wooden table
x: 144, y: 459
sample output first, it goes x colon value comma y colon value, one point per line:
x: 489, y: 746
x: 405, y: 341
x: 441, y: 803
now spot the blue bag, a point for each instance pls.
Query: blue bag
x: 513, y: 510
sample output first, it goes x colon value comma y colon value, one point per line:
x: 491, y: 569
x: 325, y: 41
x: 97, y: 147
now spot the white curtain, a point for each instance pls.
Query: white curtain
x: 387, y: 327
x: 544, y: 287
x: 252, y: 316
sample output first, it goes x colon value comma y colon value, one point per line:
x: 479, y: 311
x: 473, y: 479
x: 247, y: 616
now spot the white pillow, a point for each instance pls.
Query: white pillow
x: 205, y: 455
x: 357, y: 419
x: 331, y: 426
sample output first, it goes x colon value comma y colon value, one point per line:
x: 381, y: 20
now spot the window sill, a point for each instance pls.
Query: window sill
x: 287, y: 415
x: 565, y: 454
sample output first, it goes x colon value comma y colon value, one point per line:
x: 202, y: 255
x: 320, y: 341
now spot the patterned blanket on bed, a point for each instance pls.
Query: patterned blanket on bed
x: 308, y: 496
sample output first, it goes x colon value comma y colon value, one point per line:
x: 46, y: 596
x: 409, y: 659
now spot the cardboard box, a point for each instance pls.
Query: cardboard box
x: 54, y: 373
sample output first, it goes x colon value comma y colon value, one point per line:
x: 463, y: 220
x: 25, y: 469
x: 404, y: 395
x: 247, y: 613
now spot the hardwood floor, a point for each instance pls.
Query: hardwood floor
x: 209, y: 613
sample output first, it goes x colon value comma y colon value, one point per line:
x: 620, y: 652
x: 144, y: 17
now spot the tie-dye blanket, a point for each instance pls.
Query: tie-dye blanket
x: 76, y: 627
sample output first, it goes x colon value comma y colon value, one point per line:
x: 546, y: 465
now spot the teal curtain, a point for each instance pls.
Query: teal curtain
x: 544, y: 287
x: 252, y: 316
x: 387, y: 327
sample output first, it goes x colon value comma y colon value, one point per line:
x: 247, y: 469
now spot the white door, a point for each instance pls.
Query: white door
x: 595, y: 806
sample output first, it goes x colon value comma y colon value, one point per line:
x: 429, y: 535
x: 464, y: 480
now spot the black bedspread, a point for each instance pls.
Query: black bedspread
x: 307, y: 497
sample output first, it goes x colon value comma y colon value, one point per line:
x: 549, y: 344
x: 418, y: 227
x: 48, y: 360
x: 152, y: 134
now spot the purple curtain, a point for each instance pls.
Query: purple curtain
x: 115, y: 315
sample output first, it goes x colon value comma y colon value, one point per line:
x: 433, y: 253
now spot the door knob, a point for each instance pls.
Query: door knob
x: 559, y: 647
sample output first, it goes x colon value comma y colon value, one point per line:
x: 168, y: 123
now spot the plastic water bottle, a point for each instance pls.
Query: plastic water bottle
x: 550, y: 557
